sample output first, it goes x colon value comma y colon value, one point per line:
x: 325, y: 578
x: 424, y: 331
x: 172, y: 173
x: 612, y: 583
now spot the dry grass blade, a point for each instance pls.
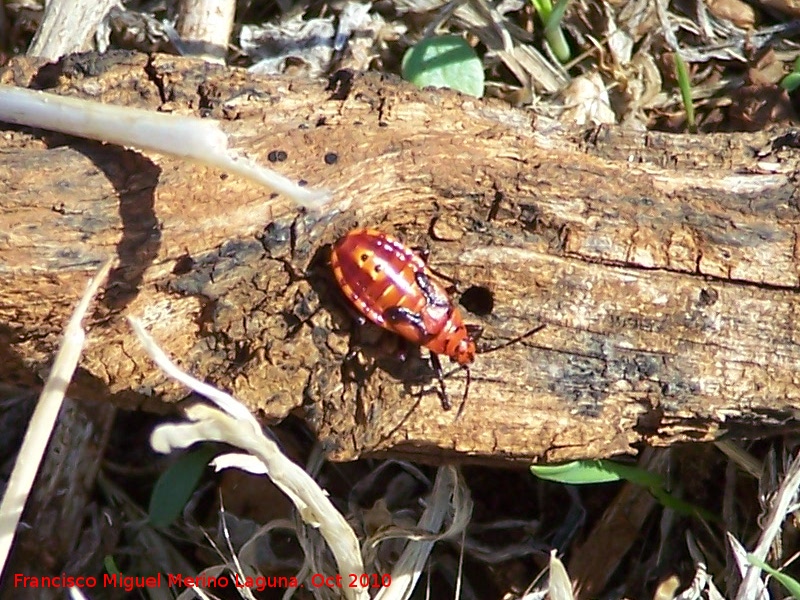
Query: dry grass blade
x: 44, y: 418
x: 698, y: 584
x: 783, y: 502
x: 741, y: 458
x: 560, y: 586
x: 75, y: 593
x: 198, y: 140
x: 236, y: 426
x: 449, y: 494
x: 756, y: 588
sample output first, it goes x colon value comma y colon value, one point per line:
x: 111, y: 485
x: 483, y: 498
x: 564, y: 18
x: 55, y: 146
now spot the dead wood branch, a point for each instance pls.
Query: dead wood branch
x: 665, y: 267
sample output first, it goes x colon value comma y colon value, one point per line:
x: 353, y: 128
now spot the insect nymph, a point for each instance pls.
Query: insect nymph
x: 389, y: 284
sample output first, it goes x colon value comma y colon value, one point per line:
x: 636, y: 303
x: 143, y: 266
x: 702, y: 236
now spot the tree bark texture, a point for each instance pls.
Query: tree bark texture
x: 665, y: 268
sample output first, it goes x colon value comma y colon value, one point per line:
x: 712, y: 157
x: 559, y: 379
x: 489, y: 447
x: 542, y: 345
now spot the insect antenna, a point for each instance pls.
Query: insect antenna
x: 519, y: 338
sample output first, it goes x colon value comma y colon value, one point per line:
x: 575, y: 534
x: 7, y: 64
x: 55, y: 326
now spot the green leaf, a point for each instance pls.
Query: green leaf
x: 685, y: 85
x: 111, y: 565
x: 544, y: 8
x: 791, y: 82
x: 557, y: 14
x: 553, y: 32
x: 582, y: 472
x: 176, y: 485
x: 682, y: 507
x: 791, y: 584
x: 447, y: 61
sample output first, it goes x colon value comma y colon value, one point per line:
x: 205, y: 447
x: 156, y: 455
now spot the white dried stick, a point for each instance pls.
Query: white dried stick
x: 199, y: 140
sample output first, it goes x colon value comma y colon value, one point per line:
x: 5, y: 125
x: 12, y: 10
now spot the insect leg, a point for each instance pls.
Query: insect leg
x: 423, y: 252
x: 466, y: 392
x: 437, y: 368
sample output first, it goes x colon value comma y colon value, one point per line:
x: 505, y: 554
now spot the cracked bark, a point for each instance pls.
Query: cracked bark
x: 664, y: 267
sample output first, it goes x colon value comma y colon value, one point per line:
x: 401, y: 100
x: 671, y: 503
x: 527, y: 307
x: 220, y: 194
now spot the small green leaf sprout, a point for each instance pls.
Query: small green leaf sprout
x: 551, y: 17
x: 582, y: 472
x: 792, y: 81
x: 685, y: 85
x: 445, y: 61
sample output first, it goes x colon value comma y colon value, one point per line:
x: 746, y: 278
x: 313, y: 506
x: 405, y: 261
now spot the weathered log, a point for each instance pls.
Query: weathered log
x: 664, y: 267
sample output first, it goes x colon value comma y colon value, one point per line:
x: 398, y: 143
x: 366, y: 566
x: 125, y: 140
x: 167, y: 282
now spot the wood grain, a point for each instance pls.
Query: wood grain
x: 664, y: 267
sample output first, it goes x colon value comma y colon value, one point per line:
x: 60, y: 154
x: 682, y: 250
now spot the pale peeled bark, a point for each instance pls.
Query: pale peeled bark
x: 68, y: 26
x: 205, y: 27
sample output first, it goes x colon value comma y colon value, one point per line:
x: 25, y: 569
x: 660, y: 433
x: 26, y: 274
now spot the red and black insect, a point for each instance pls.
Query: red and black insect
x: 390, y: 285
